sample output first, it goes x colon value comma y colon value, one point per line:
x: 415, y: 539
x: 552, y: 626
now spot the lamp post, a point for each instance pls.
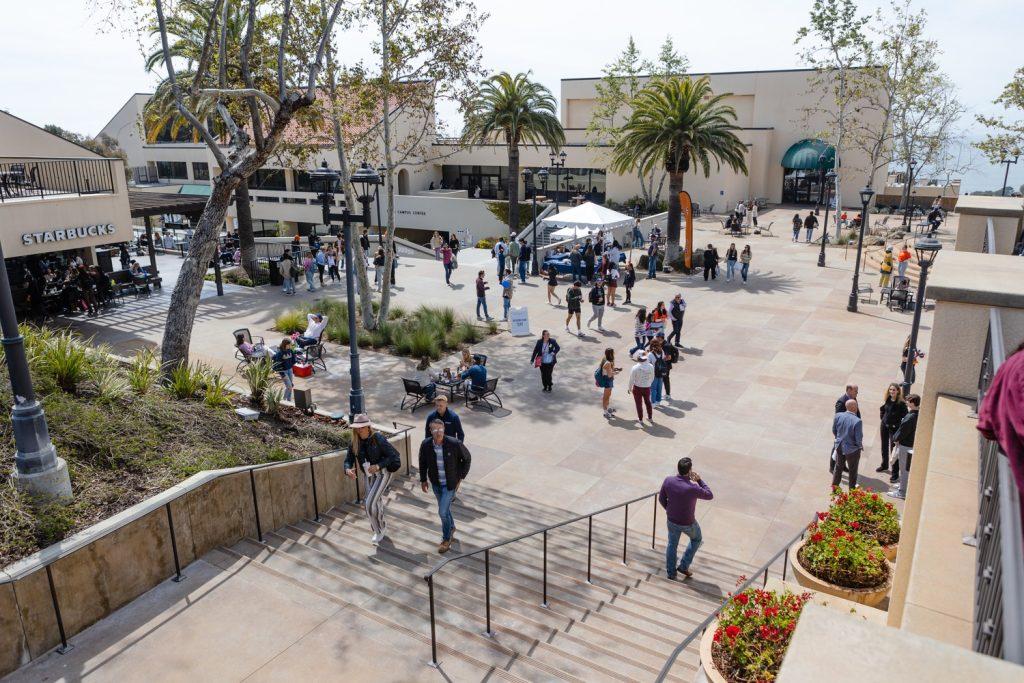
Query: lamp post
x: 821, y: 182
x: 542, y: 175
x: 927, y: 249
x: 328, y: 181
x: 865, y: 196
x: 1005, y: 159
x: 830, y: 178
x: 557, y: 166
x: 911, y: 163
x: 37, y: 469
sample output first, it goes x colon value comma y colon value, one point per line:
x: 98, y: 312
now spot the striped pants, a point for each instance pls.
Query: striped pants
x: 374, y: 502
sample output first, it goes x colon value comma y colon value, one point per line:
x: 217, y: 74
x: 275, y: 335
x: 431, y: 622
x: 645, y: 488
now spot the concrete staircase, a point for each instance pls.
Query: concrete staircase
x: 620, y: 627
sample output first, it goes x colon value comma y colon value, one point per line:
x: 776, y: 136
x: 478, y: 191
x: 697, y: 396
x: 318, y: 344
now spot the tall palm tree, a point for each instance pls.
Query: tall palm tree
x: 520, y: 111
x: 676, y: 123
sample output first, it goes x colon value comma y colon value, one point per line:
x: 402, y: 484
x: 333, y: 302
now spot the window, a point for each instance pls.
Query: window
x: 172, y: 170
x: 200, y: 170
x: 273, y: 200
x: 267, y: 179
x: 293, y: 200
x: 302, y: 181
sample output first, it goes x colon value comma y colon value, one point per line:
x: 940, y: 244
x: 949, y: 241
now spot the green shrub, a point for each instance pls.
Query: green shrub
x: 396, y: 313
x: 464, y: 332
x: 290, y: 321
x: 111, y: 385
x: 424, y: 344
x: 53, y: 523
x: 217, y: 393
x: 260, y: 377
x: 486, y: 243
x: 186, y: 380
x: 500, y: 211
x: 492, y: 326
x: 274, y: 397
x: 143, y: 372
x: 66, y: 360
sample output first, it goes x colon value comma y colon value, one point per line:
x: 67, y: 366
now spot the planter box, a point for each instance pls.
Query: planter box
x: 863, y: 596
x: 707, y: 664
x: 890, y: 551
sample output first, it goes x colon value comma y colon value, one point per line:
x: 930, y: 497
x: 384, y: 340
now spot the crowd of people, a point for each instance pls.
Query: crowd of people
x: 312, y: 263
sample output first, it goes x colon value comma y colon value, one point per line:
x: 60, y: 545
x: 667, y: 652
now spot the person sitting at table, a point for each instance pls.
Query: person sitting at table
x: 467, y: 360
x: 104, y: 290
x: 315, y: 324
x: 477, y: 376
x: 139, y: 276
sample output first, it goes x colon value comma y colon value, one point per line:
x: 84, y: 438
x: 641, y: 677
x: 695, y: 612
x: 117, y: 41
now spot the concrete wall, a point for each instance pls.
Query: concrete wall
x: 19, y: 138
x: 126, y: 127
x: 109, y: 570
x: 1006, y: 214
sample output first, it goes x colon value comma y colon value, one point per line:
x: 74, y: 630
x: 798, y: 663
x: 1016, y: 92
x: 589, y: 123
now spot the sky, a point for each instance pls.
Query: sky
x: 63, y: 68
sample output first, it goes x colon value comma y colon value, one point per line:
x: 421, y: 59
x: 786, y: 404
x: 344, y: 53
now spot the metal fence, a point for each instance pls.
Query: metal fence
x: 33, y: 178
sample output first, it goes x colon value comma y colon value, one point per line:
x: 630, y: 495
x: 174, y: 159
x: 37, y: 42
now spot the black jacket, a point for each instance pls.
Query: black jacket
x: 841, y: 404
x: 904, y: 435
x: 456, y: 462
x: 709, y: 258
x: 596, y: 296
x: 452, y: 424
x: 555, y: 348
x: 891, y: 414
x: 376, y: 450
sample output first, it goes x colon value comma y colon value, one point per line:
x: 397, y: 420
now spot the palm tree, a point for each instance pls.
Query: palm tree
x: 676, y: 123
x: 523, y: 113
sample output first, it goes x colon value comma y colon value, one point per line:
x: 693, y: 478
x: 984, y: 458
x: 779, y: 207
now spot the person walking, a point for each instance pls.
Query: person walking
x: 453, y: 244
x: 797, y: 224
x: 507, y: 287
x: 629, y: 281
x: 652, y: 260
x: 658, y: 318
x: 810, y: 223
x: 332, y: 264
x: 676, y: 312
x: 710, y: 262
x: 903, y: 260
x: 589, y: 257
x: 500, y: 252
x: 731, y: 257
x: 745, y: 257
x: 552, y: 275
x: 679, y: 495
x: 885, y: 269
x: 286, y: 268
x: 378, y: 269
x: 321, y: 264
x: 481, y: 295
x: 283, y: 361
x: 371, y: 452
x: 445, y: 463
x: 641, y: 376
x: 656, y: 355
x: 890, y: 414
x: 604, y: 377
x: 575, y: 259
x: 514, y: 248
x: 597, y: 301
x: 545, y: 355
x: 574, y: 301
x: 309, y: 268
x: 611, y: 282
x: 671, y: 358
x: 753, y: 214
x: 435, y: 243
x: 903, y: 440
x: 446, y: 260
x: 452, y: 423
x: 848, y: 430
x: 525, y: 254
x: 638, y: 234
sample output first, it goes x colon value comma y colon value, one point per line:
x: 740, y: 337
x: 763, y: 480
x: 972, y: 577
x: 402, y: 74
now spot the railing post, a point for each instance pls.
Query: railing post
x: 110, y: 172
x: 590, y: 537
x: 174, y: 545
x: 765, y: 582
x: 64, y: 647
x: 545, y: 603
x: 785, y: 561
x: 654, y: 522
x: 256, y: 505
x: 78, y: 180
x: 316, y: 502
x: 433, y: 628
x: 487, y: 589
x: 625, y: 532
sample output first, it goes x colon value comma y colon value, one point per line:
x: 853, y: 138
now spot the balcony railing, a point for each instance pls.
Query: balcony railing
x: 28, y: 178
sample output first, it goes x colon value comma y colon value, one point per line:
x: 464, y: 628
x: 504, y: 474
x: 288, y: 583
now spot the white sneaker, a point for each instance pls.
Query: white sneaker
x: 567, y: 329
x: 640, y: 424
x: 579, y: 333
x: 607, y: 414
x: 377, y: 538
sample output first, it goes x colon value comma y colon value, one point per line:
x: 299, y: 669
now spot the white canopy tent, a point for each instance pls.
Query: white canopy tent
x: 585, y: 219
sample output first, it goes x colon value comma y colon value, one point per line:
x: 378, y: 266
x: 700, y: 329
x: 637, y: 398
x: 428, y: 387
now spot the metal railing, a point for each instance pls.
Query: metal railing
x: 761, y: 572
x: 24, y: 178
x: 486, y: 552
x: 999, y: 567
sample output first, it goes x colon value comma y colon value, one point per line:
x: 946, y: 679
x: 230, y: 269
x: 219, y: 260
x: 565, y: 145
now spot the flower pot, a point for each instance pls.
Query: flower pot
x: 890, y: 551
x: 707, y: 664
x: 864, y: 596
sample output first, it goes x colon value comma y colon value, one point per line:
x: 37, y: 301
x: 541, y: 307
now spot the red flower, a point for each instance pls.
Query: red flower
x: 822, y: 516
x: 874, y: 496
x: 718, y: 635
x: 854, y: 525
x: 742, y: 598
x: 749, y: 614
x: 840, y: 533
x: 771, y: 611
x: 817, y: 538
x: 732, y: 631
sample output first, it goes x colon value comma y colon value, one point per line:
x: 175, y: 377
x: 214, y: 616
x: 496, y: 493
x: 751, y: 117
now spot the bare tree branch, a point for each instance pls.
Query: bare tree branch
x: 314, y: 68
x: 243, y: 92
x: 254, y: 111
x: 282, y: 46
x: 204, y: 57
x: 222, y: 79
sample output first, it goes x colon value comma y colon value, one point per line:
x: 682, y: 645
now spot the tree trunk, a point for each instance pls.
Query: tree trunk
x: 389, y: 186
x: 513, y: 189
x: 675, y: 215
x: 185, y: 298
x: 243, y: 229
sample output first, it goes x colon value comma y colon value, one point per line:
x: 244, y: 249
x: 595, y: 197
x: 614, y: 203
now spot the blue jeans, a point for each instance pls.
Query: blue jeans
x: 501, y: 266
x: 289, y: 381
x: 506, y: 303
x: 730, y: 269
x: 743, y: 270
x: 575, y: 272
x: 309, y: 280
x: 482, y: 301
x: 638, y: 239
x: 447, y: 273
x: 522, y: 271
x: 652, y: 266
x: 289, y: 286
x: 672, y: 549
x: 656, y: 386
x: 444, y: 510
x: 641, y: 342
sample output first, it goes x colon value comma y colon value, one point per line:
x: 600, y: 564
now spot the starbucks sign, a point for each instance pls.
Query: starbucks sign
x: 67, y: 234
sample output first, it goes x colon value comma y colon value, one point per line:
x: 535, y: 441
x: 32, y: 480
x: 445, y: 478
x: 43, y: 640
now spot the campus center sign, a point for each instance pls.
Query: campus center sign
x: 66, y: 234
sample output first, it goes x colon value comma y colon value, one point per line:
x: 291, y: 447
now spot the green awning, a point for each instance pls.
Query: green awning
x: 199, y: 190
x: 804, y: 155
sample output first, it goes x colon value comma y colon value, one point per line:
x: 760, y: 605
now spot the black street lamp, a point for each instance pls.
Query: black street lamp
x: 927, y: 249
x: 911, y: 163
x: 542, y: 175
x: 865, y: 196
x: 830, y: 178
x: 328, y: 181
x: 557, y: 166
x: 821, y: 182
x: 1005, y: 159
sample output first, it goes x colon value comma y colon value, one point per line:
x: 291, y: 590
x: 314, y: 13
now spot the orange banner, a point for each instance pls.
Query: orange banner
x: 687, y: 208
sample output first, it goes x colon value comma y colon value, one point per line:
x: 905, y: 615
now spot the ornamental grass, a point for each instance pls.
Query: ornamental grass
x: 754, y: 630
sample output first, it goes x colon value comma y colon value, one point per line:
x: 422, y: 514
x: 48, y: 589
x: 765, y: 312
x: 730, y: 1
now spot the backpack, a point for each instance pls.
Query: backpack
x: 598, y: 376
x: 660, y: 367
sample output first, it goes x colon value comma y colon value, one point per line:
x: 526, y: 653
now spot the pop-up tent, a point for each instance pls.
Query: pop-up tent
x: 585, y: 219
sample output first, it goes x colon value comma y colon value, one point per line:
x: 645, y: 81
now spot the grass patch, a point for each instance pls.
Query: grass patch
x: 232, y: 276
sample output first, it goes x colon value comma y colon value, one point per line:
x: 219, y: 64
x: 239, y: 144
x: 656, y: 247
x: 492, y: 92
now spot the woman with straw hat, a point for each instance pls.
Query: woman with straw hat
x: 371, y: 451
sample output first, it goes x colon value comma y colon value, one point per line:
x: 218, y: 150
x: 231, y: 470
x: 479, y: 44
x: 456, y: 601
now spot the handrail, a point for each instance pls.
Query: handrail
x: 762, y: 570
x: 486, y: 550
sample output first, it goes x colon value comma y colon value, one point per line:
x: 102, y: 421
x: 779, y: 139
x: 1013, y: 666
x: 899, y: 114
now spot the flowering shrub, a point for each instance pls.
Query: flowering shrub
x: 753, y: 633
x: 865, y: 511
x: 842, y: 554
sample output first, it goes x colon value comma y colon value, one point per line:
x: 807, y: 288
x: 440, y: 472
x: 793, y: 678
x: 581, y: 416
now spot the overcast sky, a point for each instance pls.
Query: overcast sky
x: 59, y: 68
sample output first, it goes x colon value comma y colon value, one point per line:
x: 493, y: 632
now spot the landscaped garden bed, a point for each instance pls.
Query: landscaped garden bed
x: 126, y: 436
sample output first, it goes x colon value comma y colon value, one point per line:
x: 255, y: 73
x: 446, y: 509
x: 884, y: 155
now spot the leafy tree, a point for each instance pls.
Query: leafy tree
x: 517, y: 111
x: 678, y: 123
x: 1008, y: 136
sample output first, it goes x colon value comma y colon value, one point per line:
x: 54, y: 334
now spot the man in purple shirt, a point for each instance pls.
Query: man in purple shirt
x: 679, y: 495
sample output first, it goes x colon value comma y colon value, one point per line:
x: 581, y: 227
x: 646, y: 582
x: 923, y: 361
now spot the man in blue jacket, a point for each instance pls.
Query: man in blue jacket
x: 452, y: 423
x: 849, y: 432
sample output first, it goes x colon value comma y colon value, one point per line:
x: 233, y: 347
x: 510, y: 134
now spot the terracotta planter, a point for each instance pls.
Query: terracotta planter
x: 864, y: 596
x: 890, y: 551
x: 707, y: 664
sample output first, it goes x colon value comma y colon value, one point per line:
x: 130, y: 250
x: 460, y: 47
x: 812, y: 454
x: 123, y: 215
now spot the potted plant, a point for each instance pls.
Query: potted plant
x: 841, y: 561
x: 750, y: 637
x: 865, y: 511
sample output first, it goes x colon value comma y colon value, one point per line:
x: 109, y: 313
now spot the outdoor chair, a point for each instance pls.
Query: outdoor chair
x: 485, y: 396
x: 315, y: 353
x: 415, y: 395
x: 766, y: 230
x: 243, y: 359
x: 900, y: 298
x: 864, y: 293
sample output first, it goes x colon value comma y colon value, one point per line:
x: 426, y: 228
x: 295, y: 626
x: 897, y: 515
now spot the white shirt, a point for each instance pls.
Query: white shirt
x: 314, y: 328
x: 642, y: 375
